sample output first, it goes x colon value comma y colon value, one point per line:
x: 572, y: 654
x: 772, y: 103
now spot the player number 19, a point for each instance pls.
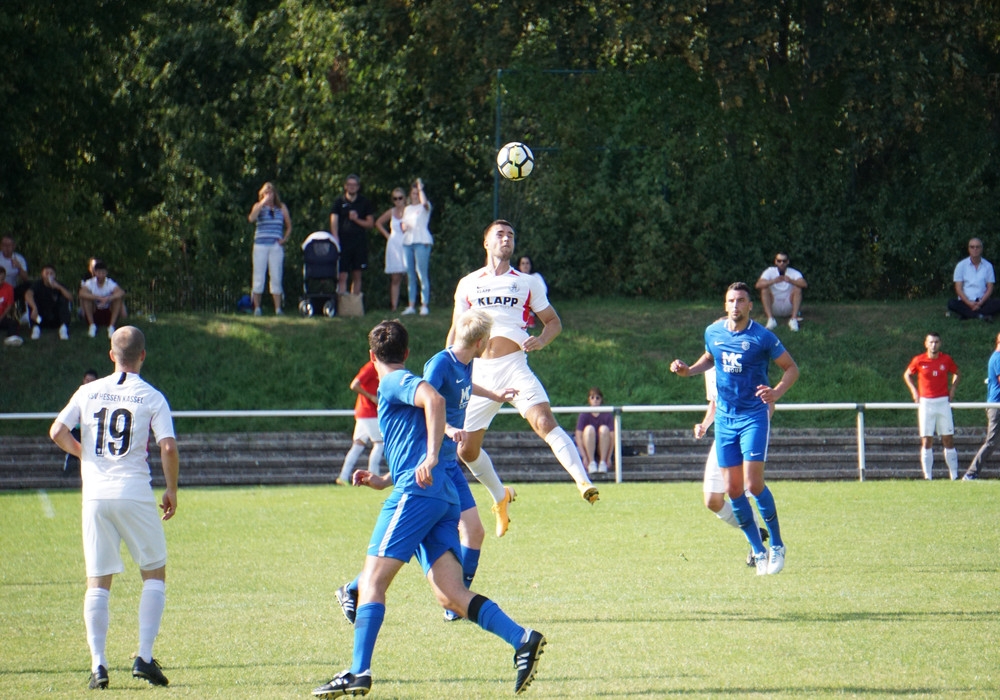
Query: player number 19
x: 118, y: 433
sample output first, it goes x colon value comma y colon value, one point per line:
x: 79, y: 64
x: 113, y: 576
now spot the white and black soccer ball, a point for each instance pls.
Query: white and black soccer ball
x: 515, y: 161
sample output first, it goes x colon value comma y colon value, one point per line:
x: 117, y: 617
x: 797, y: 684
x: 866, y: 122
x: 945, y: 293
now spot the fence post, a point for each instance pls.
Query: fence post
x: 861, y: 442
x: 618, y: 444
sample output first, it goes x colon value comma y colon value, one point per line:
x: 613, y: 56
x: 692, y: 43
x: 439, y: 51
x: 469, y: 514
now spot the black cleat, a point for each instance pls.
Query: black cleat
x: 149, y: 671
x: 526, y: 661
x: 99, y: 679
x: 345, y: 683
x: 348, y: 600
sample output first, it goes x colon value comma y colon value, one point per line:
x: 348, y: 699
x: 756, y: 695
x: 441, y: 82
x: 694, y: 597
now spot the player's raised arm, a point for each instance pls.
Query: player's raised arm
x: 681, y: 368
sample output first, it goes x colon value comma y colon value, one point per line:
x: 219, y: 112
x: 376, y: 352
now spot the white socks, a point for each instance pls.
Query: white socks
x: 375, y: 458
x: 95, y: 616
x: 927, y: 463
x: 151, y: 605
x: 726, y: 515
x: 951, y: 459
x: 482, y: 468
x: 569, y: 457
x: 350, y: 460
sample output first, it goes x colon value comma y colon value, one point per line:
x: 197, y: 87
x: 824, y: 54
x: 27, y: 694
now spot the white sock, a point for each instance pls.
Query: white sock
x: 569, y: 457
x: 927, y: 463
x: 350, y: 460
x: 151, y: 605
x: 96, y: 616
x: 726, y: 515
x: 482, y: 468
x: 375, y: 458
x: 951, y: 459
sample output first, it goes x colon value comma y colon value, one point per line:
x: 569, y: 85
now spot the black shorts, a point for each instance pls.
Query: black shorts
x: 353, y: 253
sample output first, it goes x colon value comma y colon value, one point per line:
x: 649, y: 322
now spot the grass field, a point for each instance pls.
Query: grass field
x: 890, y: 591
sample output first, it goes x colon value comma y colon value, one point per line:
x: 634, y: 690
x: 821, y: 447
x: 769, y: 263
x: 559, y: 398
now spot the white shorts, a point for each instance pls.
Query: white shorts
x: 782, y: 306
x: 107, y: 522
x: 935, y: 415
x: 509, y: 371
x: 714, y: 482
x: 366, y: 430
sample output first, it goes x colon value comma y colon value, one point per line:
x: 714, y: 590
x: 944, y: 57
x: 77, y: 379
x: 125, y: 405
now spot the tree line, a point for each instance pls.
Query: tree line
x: 678, y: 145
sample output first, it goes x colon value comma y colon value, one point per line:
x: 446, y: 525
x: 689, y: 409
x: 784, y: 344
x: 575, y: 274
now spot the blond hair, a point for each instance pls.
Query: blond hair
x: 471, y: 327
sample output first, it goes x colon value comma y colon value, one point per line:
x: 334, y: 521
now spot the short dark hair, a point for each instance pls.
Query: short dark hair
x: 101, y: 265
x: 389, y: 342
x: 739, y: 287
x: 498, y: 222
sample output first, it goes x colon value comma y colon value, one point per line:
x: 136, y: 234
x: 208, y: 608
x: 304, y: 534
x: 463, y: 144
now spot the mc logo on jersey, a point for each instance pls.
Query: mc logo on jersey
x: 732, y: 362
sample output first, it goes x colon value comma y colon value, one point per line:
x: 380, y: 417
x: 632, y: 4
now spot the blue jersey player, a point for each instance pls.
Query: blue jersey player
x: 420, y: 517
x: 450, y: 373
x: 741, y: 351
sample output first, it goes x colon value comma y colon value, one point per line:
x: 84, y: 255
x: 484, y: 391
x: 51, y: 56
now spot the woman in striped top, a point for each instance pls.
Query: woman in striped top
x: 274, y: 227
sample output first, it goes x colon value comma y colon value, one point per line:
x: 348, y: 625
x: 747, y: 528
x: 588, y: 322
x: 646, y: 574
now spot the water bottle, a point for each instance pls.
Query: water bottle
x: 650, y: 445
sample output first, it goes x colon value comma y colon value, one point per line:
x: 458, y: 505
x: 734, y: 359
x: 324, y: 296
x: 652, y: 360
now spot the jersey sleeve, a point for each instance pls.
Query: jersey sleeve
x: 462, y: 302
x: 539, y: 294
x: 434, y: 372
x: 162, y: 421
x: 70, y: 415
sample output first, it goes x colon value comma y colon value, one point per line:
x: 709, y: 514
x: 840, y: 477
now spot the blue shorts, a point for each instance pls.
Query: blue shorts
x: 742, y: 438
x: 410, y: 525
x: 457, y: 476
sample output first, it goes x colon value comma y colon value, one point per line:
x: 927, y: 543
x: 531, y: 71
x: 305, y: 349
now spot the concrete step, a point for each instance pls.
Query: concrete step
x: 315, y: 458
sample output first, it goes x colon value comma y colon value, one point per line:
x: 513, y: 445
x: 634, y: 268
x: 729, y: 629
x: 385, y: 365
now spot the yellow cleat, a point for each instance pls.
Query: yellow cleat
x: 591, y: 495
x: 500, y: 510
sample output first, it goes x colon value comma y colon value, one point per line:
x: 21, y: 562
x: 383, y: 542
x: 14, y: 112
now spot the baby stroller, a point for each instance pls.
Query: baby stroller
x: 320, y: 269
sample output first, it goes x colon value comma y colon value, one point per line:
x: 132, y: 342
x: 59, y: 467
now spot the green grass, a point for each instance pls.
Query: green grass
x: 854, y: 352
x: 890, y: 591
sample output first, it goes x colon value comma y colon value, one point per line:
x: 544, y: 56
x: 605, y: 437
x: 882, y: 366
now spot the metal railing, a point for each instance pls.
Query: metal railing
x: 618, y: 411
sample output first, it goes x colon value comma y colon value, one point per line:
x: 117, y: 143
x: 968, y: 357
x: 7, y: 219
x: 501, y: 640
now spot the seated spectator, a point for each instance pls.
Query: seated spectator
x: 15, y: 266
x: 8, y: 315
x: 974, y: 280
x: 595, y: 435
x: 101, y: 300
x: 781, y: 292
x: 91, y: 266
x: 48, y: 304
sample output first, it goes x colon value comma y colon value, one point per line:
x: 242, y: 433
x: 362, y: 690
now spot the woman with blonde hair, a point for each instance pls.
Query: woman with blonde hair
x: 274, y: 227
x: 395, y: 267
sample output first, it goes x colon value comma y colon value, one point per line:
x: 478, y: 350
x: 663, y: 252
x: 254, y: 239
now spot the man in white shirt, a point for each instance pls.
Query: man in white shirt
x: 781, y: 292
x: 116, y: 415
x: 101, y: 300
x: 974, y: 280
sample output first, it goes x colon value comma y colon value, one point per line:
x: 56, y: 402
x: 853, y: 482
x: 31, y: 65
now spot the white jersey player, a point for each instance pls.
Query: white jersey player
x: 508, y: 296
x: 116, y: 415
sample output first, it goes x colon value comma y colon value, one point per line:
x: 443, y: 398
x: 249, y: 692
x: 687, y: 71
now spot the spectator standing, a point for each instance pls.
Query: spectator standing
x: 116, y: 415
x: 365, y: 385
x: 395, y: 266
x: 781, y: 292
x: 934, y: 393
x: 8, y: 321
x: 101, y: 299
x: 417, y: 242
x: 526, y: 265
x: 595, y: 435
x: 992, y: 416
x: 48, y: 304
x: 974, y: 280
x: 274, y: 227
x: 351, y: 217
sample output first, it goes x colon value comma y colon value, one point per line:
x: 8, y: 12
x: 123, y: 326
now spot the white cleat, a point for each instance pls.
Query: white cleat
x: 776, y: 560
x: 760, y: 561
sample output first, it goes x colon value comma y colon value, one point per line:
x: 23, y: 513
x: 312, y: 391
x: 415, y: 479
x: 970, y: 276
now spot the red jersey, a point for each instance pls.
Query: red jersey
x: 368, y: 378
x: 6, y: 298
x: 932, y: 374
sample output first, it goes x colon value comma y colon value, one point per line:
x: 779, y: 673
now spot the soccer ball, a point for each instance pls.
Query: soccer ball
x: 515, y: 161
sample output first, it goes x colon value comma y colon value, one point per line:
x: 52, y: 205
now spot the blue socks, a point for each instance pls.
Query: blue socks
x: 491, y: 618
x: 769, y: 514
x: 353, y: 585
x: 470, y: 563
x: 744, y: 516
x: 366, y: 628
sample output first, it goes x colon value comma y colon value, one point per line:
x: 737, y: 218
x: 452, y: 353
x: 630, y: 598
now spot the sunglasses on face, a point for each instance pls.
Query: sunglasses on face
x: 398, y: 199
